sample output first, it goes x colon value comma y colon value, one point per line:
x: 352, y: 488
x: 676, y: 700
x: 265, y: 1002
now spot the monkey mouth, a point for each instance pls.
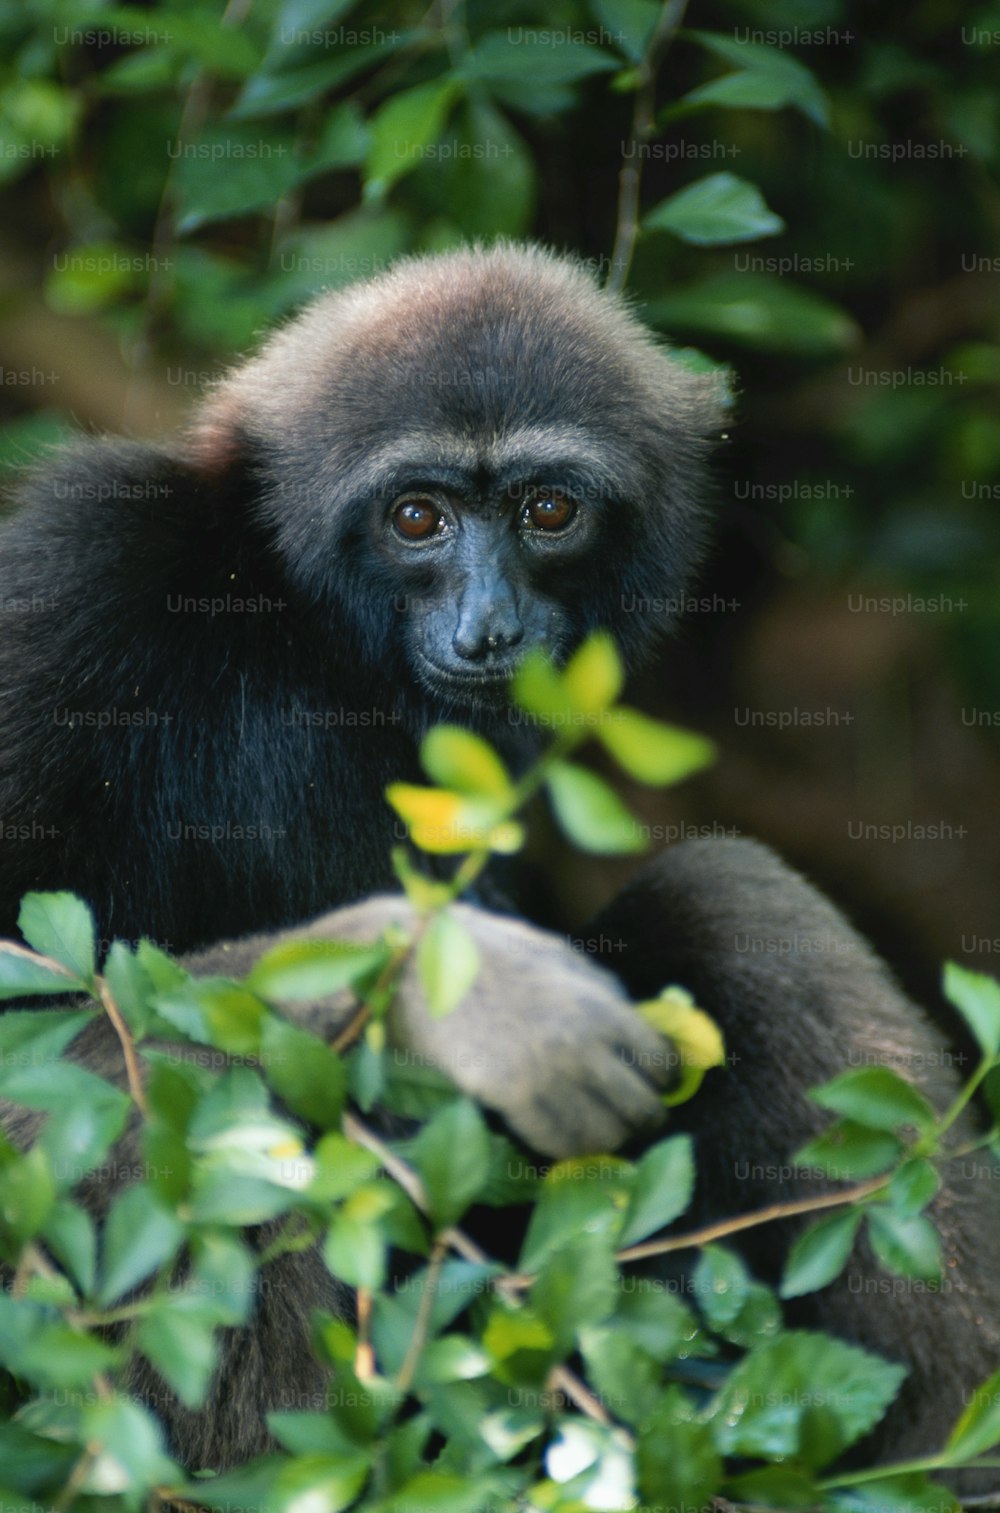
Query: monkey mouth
x: 472, y: 683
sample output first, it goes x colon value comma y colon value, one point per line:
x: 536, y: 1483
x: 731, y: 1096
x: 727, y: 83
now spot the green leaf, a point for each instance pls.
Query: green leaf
x: 539, y: 689
x: 978, y: 1428
x: 576, y: 1286
x: 180, y: 1342
x: 734, y: 1305
x: 877, y: 1098
x: 231, y: 170
x: 761, y: 310
x: 768, y: 79
x: 37, y: 1037
x: 849, y: 1152
x: 343, y: 141
x: 652, y: 752
x: 310, y: 1079
x: 131, y: 987
x: 677, y: 1461
x: 913, y: 1186
x: 140, y: 1235
x: 453, y: 1359
x: 654, y: 1318
x: 778, y: 1487
x: 458, y: 759
x: 61, y: 926
x: 720, y: 1283
x: 908, y: 1245
x: 720, y: 208
x: 402, y: 128
x: 627, y: 1380
x: 328, y: 1483
x: 977, y: 999
x: 442, y: 1492
x: 578, y: 1196
x: 270, y: 93
x: 594, y: 675
x: 215, y: 1011
x: 452, y: 1155
x: 819, y: 1254
x: 22, y: 977
x: 447, y: 823
x: 341, y: 1168
x: 298, y: 970
x: 27, y: 1194
x: 629, y: 23
x: 47, y: 1352
x: 224, y: 1196
x: 96, y: 276
x: 222, y: 1282
x: 355, y: 1249
x: 86, y: 1114
x: 520, y: 1343
x: 490, y: 186
x: 591, y: 1465
x: 339, y: 252
x: 664, y: 1184
x: 591, y: 814
x: 132, y: 1439
x: 70, y: 1235
x: 448, y: 963
x: 501, y: 59
x: 913, y: 1492
x: 802, y: 1396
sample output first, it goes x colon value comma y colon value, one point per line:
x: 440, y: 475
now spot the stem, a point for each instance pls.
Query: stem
x: 877, y: 1473
x: 769, y: 1215
x: 124, y: 1034
x: 643, y: 128
x: 421, y: 1326
x: 965, y: 1094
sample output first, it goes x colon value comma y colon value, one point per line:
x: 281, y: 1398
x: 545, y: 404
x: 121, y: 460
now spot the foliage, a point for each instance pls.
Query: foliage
x: 457, y: 1386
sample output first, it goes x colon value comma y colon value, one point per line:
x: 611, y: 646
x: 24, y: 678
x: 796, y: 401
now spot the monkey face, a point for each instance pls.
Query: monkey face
x: 479, y: 566
x: 471, y: 457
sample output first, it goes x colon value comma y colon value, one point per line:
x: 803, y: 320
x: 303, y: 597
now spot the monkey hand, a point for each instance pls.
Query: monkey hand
x: 544, y: 1037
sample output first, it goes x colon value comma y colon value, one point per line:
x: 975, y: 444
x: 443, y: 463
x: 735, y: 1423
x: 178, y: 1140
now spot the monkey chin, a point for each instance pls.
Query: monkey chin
x: 486, y: 692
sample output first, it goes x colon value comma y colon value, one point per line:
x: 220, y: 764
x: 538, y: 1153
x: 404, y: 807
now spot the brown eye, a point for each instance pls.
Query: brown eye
x: 416, y: 519
x: 548, y: 511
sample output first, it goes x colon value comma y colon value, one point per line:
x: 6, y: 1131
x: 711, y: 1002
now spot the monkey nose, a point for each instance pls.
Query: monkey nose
x: 473, y: 642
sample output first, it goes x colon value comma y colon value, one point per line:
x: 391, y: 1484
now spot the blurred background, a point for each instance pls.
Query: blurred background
x: 819, y: 215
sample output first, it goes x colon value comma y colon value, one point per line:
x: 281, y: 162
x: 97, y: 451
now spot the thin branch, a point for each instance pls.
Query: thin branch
x: 774, y: 1211
x: 127, y: 1044
x: 11, y: 948
x: 643, y: 129
x: 560, y: 1378
x: 421, y: 1327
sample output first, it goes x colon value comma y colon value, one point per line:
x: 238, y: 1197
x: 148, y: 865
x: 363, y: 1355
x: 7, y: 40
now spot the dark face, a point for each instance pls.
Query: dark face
x: 472, y: 565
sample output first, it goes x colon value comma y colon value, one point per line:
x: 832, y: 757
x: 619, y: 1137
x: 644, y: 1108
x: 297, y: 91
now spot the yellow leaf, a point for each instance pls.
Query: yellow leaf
x: 446, y: 823
x: 696, y: 1038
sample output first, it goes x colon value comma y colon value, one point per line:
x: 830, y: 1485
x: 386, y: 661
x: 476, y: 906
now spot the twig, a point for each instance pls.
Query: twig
x: 560, y: 1378
x: 723, y: 1227
x: 643, y: 128
x: 124, y: 1034
x: 418, y: 1339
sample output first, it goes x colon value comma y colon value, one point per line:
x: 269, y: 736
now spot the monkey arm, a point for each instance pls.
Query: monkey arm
x: 544, y: 1037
